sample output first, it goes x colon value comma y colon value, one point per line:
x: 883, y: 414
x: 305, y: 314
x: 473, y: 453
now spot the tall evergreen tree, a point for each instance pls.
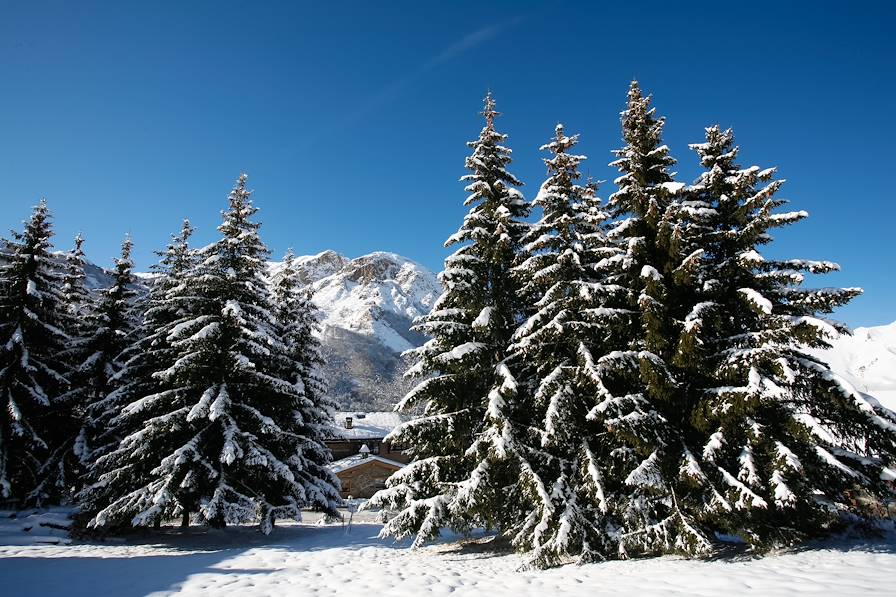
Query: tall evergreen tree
x: 98, y: 329
x: 76, y: 296
x: 31, y: 338
x: 549, y: 384
x: 62, y: 470
x: 300, y: 326
x: 297, y: 318
x: 470, y: 327
x: 222, y: 437
x: 785, y: 445
x: 109, y: 328
x: 641, y: 408
x: 167, y: 304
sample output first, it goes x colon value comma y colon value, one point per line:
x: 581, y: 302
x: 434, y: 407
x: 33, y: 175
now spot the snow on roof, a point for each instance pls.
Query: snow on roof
x: 358, y: 460
x: 366, y: 425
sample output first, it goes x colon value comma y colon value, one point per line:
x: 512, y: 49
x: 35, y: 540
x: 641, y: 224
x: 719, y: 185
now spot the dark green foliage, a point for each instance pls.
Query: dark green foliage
x: 216, y: 432
x: 470, y: 327
x: 108, y: 329
x: 31, y: 374
x: 785, y: 447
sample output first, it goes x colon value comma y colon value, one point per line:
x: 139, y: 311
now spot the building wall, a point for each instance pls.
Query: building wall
x: 364, y: 480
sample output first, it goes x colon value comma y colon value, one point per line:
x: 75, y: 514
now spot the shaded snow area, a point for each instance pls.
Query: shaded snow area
x: 867, y: 359
x: 317, y: 560
x: 37, y: 527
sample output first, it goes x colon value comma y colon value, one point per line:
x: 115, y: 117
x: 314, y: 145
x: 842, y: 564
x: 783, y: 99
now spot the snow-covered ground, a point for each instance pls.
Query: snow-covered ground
x: 309, y: 560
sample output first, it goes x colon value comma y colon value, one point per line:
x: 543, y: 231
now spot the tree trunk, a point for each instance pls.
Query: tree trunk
x: 185, y: 520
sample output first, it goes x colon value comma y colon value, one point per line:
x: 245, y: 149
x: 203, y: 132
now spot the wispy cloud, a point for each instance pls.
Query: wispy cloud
x: 470, y: 41
x: 394, y: 88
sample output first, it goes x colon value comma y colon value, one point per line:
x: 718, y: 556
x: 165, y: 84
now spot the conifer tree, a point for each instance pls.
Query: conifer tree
x: 222, y: 437
x: 62, y: 470
x: 785, y: 445
x: 167, y: 304
x: 298, y: 325
x: 87, y: 357
x: 75, y: 295
x: 31, y: 338
x: 109, y: 328
x: 470, y: 326
x: 299, y: 321
x: 549, y: 384
x: 643, y: 441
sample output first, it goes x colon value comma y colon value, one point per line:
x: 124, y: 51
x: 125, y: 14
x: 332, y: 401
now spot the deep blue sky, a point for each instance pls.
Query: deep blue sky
x: 351, y: 117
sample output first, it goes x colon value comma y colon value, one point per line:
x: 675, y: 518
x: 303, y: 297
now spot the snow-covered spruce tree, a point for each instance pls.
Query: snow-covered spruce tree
x: 61, y: 471
x: 470, y: 328
x: 109, y: 329
x: 301, y: 363
x: 537, y: 414
x: 642, y: 402
x: 222, y: 437
x: 31, y: 338
x: 785, y: 448
x: 166, y: 305
x: 97, y: 328
x: 75, y: 296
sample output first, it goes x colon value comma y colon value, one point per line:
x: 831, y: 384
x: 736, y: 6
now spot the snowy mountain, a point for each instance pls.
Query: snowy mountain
x: 867, y: 359
x: 367, y: 306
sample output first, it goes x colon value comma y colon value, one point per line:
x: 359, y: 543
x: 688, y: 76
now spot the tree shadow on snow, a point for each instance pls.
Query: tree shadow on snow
x: 163, y: 560
x: 129, y: 576
x: 480, y: 546
x: 867, y: 541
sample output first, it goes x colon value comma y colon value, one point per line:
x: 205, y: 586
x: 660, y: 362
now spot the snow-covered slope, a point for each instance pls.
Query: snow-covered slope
x: 867, y: 359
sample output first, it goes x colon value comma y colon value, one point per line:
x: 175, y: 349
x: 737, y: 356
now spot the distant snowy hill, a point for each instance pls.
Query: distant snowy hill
x: 867, y: 359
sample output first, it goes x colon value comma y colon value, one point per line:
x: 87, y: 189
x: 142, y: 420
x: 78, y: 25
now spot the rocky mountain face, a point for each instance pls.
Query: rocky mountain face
x: 367, y: 306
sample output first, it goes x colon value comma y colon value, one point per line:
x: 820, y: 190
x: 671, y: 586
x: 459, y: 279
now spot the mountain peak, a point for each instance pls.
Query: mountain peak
x: 367, y: 307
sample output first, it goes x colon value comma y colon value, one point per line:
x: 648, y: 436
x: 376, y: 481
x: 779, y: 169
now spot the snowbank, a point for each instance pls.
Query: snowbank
x: 35, y: 527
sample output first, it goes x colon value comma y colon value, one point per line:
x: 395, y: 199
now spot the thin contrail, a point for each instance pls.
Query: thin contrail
x: 395, y: 87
